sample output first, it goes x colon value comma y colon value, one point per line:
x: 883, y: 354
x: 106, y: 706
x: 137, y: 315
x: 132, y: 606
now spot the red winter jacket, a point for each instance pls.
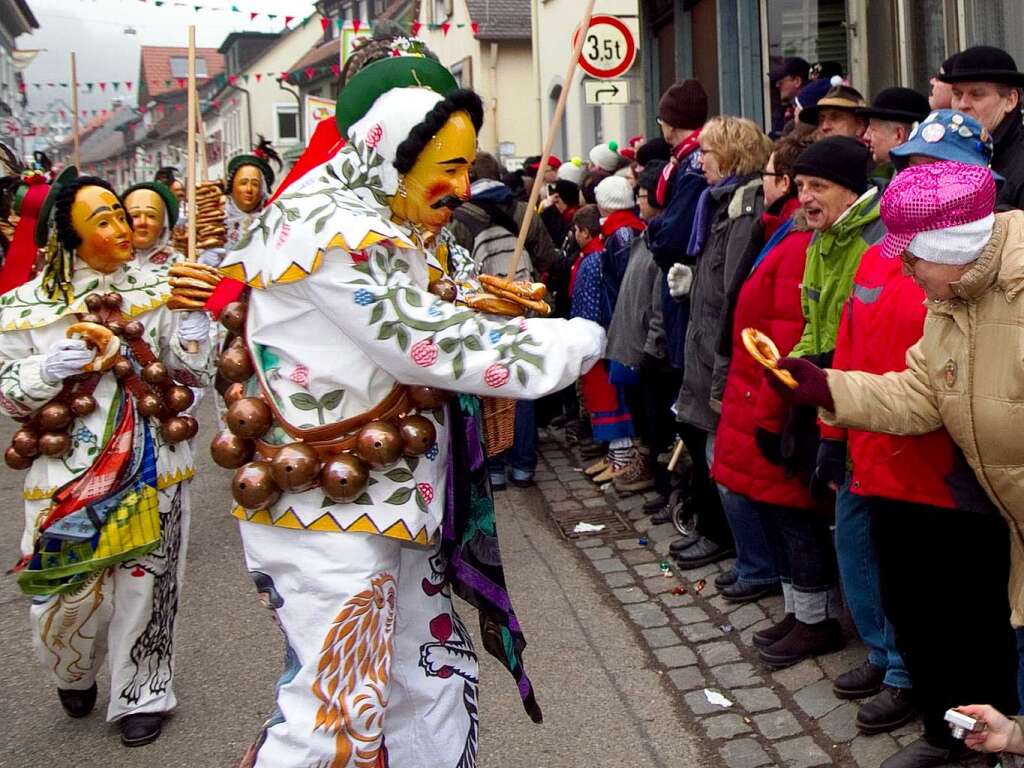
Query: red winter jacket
x: 769, y: 301
x: 883, y: 318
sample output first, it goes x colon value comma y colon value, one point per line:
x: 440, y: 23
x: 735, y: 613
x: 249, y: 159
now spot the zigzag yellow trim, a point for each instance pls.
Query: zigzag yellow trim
x: 38, y: 494
x: 328, y: 523
x: 162, y: 482
x: 29, y: 323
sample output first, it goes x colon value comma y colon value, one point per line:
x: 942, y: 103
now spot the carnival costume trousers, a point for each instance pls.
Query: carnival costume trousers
x: 125, y: 613
x: 379, y: 669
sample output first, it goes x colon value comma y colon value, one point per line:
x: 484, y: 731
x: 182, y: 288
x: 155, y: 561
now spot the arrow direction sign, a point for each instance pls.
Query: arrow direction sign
x: 604, y: 92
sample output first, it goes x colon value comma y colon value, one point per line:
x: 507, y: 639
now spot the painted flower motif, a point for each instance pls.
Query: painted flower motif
x: 283, y: 235
x: 84, y: 435
x: 424, y: 353
x: 434, y: 311
x: 160, y: 257
x: 363, y: 297
x: 300, y: 375
x: 496, y: 375
x: 426, y: 491
x: 522, y: 324
x: 432, y: 452
x: 494, y: 336
x: 374, y: 135
x: 360, y: 257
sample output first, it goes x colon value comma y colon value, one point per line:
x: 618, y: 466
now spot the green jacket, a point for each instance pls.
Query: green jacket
x: 832, y: 260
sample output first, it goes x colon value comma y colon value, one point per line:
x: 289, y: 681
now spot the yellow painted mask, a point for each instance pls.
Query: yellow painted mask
x: 245, y: 188
x: 102, y: 223
x: 441, y: 170
x: 149, y: 217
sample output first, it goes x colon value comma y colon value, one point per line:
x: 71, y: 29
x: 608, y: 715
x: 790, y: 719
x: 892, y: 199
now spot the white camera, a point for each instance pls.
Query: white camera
x: 961, y: 724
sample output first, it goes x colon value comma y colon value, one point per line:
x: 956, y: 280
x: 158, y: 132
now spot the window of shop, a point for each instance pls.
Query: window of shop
x: 287, y: 122
x: 995, y: 22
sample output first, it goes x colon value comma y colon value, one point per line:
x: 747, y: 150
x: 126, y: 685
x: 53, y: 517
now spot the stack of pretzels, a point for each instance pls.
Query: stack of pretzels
x: 211, y: 229
x: 509, y: 298
x: 192, y: 284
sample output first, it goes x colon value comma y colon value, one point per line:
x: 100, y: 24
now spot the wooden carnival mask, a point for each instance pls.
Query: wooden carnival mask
x: 441, y: 171
x: 149, y: 217
x: 246, y: 188
x: 102, y: 223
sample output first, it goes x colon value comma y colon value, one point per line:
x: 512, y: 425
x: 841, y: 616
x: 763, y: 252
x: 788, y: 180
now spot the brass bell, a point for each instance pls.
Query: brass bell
x: 231, y: 451
x: 233, y: 315
x: 235, y: 364
x: 83, y: 405
x: 123, y: 368
x: 249, y: 417
x: 150, y: 405
x: 112, y: 300
x: 133, y: 330
x: 179, y: 398
x: 116, y: 327
x: 193, y: 426
x: 418, y: 434
x: 94, y: 302
x: 295, y: 468
x: 15, y: 460
x: 379, y: 444
x: 54, y: 417
x: 174, y: 430
x: 155, y: 373
x: 54, y: 443
x: 234, y: 393
x: 344, y: 478
x: 92, y: 317
x: 444, y: 289
x: 26, y: 443
x: 428, y: 398
x: 253, y: 486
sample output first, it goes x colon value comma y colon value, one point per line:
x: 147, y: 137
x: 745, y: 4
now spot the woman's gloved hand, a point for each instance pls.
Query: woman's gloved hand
x: 66, y: 358
x: 829, y: 468
x: 680, y: 278
x: 812, y: 384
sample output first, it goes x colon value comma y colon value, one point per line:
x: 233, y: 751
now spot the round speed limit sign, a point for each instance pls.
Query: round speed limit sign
x: 609, y: 48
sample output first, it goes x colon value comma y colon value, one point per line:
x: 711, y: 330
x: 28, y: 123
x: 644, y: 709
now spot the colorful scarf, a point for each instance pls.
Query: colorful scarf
x: 615, y: 220
x: 702, y: 217
x: 681, y: 152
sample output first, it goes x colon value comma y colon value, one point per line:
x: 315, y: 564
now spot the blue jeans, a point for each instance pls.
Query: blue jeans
x: 754, y: 561
x: 522, y: 456
x: 858, y: 572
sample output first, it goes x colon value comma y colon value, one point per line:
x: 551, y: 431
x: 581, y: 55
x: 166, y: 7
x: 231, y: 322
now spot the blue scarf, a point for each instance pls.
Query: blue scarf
x: 702, y: 218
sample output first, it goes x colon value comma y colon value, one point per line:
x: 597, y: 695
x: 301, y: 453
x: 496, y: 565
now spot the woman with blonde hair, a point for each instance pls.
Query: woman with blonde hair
x: 726, y: 225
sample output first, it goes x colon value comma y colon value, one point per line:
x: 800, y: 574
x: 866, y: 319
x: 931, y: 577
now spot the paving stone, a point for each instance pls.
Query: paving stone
x: 870, y: 751
x: 774, y: 606
x: 840, y: 724
x: 835, y: 664
x: 660, y: 637
x: 718, y: 602
x: 743, y: 753
x: 659, y: 584
x: 720, y: 652
x: 555, y: 493
x: 589, y: 543
x: 641, y: 525
x: 548, y: 484
x: 661, y: 548
x: 568, y: 505
x: 647, y: 615
x: 699, y: 704
x: 610, y: 565
x: 626, y: 595
x: 594, y: 503
x: 687, y: 678
x: 697, y: 633
x: 630, y: 503
x: 639, y: 556
x: 739, y: 675
x: 579, y: 484
x: 646, y: 570
x: 802, y: 752
x: 628, y: 544
x: 778, y: 724
x: 757, y: 699
x: 746, y: 615
x: 724, y: 726
x: 704, y: 572
x: 636, y: 514
x: 676, y: 656
x: 588, y: 493
x: 747, y: 635
x: 817, y: 699
x: 598, y: 553
x: 618, y: 579
x: 798, y: 676
x: 690, y: 615
x: 905, y: 740
x: 913, y: 728
x: 674, y: 601
x: 662, y: 532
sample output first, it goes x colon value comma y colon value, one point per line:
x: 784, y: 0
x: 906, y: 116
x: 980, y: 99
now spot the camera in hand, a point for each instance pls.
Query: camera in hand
x: 961, y: 724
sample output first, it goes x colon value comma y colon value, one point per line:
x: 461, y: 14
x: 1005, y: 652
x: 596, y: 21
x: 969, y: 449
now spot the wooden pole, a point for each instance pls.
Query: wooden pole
x: 549, y: 141
x: 204, y: 169
x: 74, y: 112
x: 190, y: 171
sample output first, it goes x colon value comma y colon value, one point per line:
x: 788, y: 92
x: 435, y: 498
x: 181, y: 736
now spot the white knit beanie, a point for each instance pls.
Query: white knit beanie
x: 957, y: 245
x: 570, y: 171
x: 614, y: 194
x: 606, y: 156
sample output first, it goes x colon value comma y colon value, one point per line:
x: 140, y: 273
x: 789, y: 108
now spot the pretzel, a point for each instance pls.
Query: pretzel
x: 181, y: 302
x: 193, y: 270
x: 539, y: 306
x: 199, y: 294
x: 495, y: 305
x: 510, y: 288
x: 763, y: 349
x: 100, y: 338
x: 190, y: 282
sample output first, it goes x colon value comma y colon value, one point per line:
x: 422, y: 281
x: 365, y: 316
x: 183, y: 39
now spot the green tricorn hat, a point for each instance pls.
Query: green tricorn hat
x: 170, y: 201
x: 264, y: 167
x: 376, y: 79
x: 66, y: 176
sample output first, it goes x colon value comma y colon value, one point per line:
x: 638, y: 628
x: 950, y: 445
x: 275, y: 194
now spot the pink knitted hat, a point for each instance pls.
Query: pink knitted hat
x: 938, y: 196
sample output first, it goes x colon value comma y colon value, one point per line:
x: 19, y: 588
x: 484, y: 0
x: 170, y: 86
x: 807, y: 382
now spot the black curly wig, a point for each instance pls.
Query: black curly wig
x: 461, y: 99
x: 62, y: 203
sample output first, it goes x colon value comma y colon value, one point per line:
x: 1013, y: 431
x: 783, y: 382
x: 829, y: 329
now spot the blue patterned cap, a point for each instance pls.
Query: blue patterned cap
x: 947, y: 135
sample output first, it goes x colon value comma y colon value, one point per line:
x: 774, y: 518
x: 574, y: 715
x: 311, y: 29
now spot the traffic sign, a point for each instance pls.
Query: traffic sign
x: 609, y: 48
x: 602, y: 92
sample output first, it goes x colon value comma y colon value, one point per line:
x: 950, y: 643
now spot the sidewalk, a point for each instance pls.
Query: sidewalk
x: 703, y: 643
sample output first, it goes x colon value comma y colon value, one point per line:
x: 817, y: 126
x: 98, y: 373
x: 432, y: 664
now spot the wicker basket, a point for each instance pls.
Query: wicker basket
x: 499, y: 424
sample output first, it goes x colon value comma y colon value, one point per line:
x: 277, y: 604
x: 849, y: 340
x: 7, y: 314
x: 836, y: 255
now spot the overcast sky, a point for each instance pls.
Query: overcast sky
x: 95, y: 30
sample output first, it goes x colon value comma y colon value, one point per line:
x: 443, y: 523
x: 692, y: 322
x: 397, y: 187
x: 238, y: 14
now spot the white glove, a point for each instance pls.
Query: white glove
x: 680, y: 278
x: 592, y: 340
x: 66, y: 358
x: 194, y: 326
x: 212, y: 257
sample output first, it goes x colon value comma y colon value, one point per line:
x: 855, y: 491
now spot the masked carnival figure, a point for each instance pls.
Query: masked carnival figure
x: 360, y: 478
x: 153, y: 209
x: 96, y: 369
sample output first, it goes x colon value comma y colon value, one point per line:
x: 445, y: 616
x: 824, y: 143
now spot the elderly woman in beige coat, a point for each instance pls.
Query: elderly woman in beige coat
x: 967, y: 375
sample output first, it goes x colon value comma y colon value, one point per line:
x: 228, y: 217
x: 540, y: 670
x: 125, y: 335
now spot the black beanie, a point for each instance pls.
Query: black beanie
x: 655, y: 149
x: 648, y: 178
x: 841, y: 159
x: 568, y: 192
x: 684, y: 105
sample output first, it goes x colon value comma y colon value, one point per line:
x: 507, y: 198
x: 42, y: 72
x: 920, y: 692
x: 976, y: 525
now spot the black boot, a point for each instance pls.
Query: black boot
x: 921, y: 754
x: 139, y: 730
x: 776, y: 632
x: 886, y: 712
x: 77, y: 703
x: 738, y: 592
x: 684, y: 542
x: 860, y: 682
x: 704, y: 552
x: 726, y: 578
x: 804, y: 641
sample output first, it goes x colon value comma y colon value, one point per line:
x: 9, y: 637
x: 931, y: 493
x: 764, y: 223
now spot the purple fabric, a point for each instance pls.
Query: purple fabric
x: 701, y: 218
